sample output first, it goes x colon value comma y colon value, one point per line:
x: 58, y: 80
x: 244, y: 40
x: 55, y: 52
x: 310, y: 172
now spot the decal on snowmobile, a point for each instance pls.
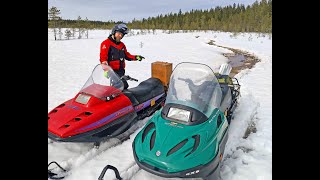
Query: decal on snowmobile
x: 73, y: 107
x: 158, y: 153
x: 147, y: 103
x: 139, y: 107
x: 193, y: 172
x: 111, y: 117
x: 174, y: 124
x: 214, y: 115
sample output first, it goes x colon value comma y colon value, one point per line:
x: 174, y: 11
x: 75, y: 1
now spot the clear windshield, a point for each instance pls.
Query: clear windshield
x: 103, y: 82
x: 194, y: 85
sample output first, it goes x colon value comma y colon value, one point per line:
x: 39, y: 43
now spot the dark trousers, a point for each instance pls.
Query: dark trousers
x: 120, y: 72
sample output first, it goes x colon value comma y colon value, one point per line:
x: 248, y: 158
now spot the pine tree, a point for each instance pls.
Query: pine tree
x: 53, y: 14
x: 79, y: 24
x: 67, y: 34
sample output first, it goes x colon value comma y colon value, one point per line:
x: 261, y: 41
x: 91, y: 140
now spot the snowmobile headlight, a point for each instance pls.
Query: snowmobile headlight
x: 83, y: 99
x: 179, y: 114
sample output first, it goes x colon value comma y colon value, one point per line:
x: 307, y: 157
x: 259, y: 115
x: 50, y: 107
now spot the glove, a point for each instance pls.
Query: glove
x: 139, y: 57
x: 106, y: 74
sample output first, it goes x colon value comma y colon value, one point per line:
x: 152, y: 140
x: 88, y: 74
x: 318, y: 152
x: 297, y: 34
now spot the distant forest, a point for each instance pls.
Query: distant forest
x: 256, y: 17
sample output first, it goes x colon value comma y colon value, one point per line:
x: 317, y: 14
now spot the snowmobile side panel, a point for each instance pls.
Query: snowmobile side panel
x: 75, y: 118
x: 147, y: 103
x: 101, y: 133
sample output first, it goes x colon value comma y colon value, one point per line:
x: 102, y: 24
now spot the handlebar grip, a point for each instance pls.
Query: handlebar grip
x: 134, y: 79
x: 128, y: 78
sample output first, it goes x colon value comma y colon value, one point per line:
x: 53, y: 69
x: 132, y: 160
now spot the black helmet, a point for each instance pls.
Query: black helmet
x: 121, y: 28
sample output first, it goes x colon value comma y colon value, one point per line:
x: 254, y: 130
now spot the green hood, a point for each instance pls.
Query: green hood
x: 198, y: 143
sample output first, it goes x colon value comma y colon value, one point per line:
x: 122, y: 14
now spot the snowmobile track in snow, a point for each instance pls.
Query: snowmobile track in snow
x: 75, y: 162
x: 248, y: 63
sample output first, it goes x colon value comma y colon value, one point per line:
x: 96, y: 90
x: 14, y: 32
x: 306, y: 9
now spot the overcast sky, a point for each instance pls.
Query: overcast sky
x: 126, y: 10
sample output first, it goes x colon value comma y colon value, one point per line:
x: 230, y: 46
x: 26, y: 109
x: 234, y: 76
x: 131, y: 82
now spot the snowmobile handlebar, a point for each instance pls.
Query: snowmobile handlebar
x: 128, y: 78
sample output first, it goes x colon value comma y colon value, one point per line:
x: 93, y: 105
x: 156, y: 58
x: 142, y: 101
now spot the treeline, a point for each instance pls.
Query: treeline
x: 237, y: 18
x: 234, y: 18
x: 89, y: 24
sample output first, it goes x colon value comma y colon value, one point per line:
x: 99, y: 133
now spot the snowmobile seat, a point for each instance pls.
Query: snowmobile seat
x: 146, y: 90
x: 131, y: 96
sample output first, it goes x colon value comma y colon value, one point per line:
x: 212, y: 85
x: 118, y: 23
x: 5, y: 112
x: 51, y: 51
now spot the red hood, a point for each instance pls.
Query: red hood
x: 66, y: 119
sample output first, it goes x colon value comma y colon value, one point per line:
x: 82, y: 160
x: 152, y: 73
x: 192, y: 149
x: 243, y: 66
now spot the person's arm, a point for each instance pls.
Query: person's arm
x: 104, y: 49
x: 128, y: 57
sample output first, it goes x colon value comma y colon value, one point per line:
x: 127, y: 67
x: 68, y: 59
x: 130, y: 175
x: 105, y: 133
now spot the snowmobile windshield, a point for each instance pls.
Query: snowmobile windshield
x: 103, y: 82
x: 193, y: 85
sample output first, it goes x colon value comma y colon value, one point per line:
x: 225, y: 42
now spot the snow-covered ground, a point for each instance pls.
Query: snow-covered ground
x: 71, y: 62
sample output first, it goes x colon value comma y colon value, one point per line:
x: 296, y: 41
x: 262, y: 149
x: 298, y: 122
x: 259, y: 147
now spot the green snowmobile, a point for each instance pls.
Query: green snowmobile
x: 187, y: 137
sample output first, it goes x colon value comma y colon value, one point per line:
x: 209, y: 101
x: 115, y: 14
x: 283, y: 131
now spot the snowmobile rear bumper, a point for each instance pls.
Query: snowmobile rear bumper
x: 107, y: 131
x: 209, y: 171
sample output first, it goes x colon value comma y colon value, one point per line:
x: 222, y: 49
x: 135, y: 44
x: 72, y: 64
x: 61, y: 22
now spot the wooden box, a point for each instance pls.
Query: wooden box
x: 162, y: 71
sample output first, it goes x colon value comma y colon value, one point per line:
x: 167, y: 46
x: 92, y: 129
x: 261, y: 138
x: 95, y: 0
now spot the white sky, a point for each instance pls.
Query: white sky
x: 126, y: 10
x: 71, y: 62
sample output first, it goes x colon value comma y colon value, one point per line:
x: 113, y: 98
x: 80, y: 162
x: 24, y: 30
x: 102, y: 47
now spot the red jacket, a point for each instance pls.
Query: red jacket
x: 114, y: 53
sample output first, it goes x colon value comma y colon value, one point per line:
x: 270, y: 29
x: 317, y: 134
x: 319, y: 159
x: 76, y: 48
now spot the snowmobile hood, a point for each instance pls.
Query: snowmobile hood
x: 175, y: 147
x: 71, y: 118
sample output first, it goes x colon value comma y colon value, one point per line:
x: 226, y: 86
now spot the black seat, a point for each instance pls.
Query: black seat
x: 131, y: 96
x: 146, y: 90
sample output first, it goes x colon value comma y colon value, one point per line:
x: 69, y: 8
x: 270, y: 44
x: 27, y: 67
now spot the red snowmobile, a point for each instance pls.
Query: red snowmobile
x: 105, y: 107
